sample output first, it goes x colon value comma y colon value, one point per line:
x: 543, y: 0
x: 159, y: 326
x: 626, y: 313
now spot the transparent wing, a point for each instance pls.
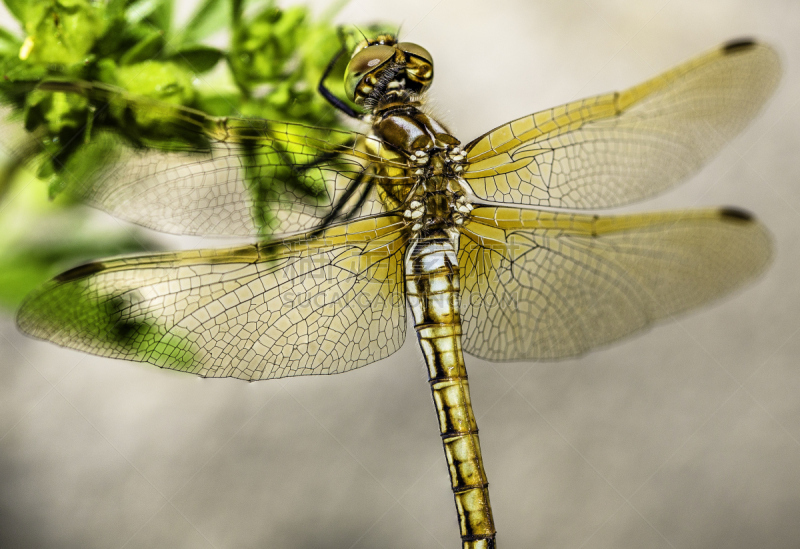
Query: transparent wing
x: 288, y: 308
x: 621, y: 147
x: 539, y: 285
x: 190, y: 173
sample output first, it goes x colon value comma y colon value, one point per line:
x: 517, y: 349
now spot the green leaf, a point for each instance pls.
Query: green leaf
x: 60, y: 120
x: 237, y: 7
x: 221, y: 104
x: 161, y: 17
x: 61, y: 31
x: 162, y: 80
x: 56, y: 111
x: 140, y: 10
x: 9, y: 43
x: 210, y: 16
x: 197, y: 58
x: 263, y: 46
x: 112, y: 42
x: 14, y: 71
x: 116, y: 8
x: 80, y: 165
x: 19, y: 9
x: 146, y: 49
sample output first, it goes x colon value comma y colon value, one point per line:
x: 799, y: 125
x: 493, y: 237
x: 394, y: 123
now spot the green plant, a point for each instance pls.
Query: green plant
x: 270, y: 69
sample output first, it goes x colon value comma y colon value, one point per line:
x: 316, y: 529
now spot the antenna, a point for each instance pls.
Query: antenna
x: 362, y: 34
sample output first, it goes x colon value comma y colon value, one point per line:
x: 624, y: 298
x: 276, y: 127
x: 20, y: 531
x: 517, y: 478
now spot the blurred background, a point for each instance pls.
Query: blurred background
x: 687, y: 436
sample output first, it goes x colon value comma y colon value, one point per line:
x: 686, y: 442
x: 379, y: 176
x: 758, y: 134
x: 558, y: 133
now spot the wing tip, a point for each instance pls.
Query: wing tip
x: 81, y: 271
x: 738, y: 45
x: 737, y: 214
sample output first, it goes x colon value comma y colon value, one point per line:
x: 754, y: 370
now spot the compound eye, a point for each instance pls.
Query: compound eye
x: 419, y: 66
x: 363, y: 63
x: 417, y: 51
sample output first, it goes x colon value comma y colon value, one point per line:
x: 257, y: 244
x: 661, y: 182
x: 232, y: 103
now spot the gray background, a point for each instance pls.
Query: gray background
x: 687, y: 436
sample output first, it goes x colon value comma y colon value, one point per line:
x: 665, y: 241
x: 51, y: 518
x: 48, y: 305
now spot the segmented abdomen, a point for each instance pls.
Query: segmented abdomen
x: 432, y: 289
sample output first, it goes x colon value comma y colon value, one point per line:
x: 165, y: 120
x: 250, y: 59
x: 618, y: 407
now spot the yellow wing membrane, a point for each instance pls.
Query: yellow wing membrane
x: 621, y: 147
x: 289, y: 308
x: 540, y: 285
x: 222, y: 176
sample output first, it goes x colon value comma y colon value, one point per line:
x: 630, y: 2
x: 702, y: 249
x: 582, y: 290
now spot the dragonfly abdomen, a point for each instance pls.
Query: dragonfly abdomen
x: 432, y: 289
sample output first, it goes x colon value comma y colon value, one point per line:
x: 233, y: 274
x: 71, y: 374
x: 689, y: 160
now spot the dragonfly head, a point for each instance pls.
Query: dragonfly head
x: 384, y: 66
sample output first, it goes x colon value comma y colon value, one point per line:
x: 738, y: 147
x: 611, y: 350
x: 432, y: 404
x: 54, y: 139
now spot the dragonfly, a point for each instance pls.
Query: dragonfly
x: 487, y: 243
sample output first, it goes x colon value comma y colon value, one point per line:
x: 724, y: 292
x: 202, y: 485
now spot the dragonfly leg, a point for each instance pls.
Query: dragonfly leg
x: 337, y: 103
x: 348, y: 193
x: 361, y: 199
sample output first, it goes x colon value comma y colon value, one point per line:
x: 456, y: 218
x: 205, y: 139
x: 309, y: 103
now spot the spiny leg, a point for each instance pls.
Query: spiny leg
x: 329, y: 96
x: 348, y: 193
x: 362, y: 199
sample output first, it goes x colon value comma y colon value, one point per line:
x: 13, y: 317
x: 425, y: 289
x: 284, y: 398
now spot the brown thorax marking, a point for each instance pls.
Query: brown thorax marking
x: 436, y: 159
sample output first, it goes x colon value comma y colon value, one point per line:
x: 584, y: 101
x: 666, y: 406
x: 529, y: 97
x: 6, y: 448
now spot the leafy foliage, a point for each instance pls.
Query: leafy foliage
x: 270, y: 69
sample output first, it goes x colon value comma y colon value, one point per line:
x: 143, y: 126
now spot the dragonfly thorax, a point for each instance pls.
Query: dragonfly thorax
x: 439, y: 203
x: 435, y: 158
x: 409, y: 129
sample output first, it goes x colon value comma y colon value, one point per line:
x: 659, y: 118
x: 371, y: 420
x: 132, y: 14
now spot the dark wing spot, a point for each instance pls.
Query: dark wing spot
x: 120, y: 327
x: 123, y: 331
x: 81, y: 271
x: 736, y: 213
x: 738, y: 45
